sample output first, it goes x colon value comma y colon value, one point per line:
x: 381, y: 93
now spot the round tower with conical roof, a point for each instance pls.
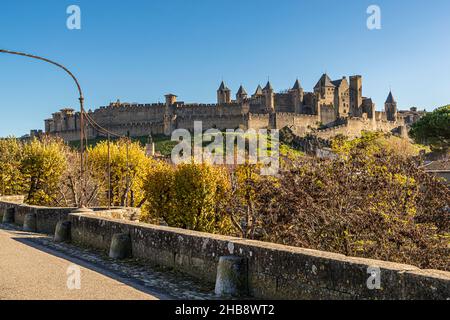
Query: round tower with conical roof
x: 241, y: 95
x: 390, y: 108
x: 223, y: 94
x: 269, y: 97
x: 297, y: 94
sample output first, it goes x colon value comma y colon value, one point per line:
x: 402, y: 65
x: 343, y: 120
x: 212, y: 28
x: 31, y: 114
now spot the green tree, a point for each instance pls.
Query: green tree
x: 433, y: 129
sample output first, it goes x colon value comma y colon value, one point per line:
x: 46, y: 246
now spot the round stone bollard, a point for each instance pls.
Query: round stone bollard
x: 62, y: 232
x: 9, y: 215
x: 231, y: 277
x: 30, y: 222
x: 120, y: 246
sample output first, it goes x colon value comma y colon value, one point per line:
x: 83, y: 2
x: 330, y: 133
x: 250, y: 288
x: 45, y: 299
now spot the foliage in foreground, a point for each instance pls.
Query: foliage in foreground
x: 189, y: 196
x: 369, y: 202
x: 434, y: 129
x: 34, y: 169
x: 128, y: 165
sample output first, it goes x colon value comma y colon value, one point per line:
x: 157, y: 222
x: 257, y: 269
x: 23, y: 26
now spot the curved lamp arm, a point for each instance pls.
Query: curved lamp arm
x: 81, y: 98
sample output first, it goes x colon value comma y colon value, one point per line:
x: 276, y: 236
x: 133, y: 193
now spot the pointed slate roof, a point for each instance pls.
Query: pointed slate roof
x: 324, y: 81
x: 223, y: 87
x: 297, y: 85
x: 259, y: 91
x: 390, y: 98
x: 268, y: 86
x: 338, y: 83
x: 241, y: 91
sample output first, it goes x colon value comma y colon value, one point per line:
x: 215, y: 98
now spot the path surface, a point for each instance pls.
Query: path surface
x: 29, y: 272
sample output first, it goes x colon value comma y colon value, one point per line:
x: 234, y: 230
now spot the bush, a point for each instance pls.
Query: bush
x: 159, y: 186
x: 369, y: 202
x: 190, y: 196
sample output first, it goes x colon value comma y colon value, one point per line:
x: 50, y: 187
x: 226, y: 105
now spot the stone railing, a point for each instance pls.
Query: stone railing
x: 271, y: 271
x: 13, y: 199
x: 48, y: 217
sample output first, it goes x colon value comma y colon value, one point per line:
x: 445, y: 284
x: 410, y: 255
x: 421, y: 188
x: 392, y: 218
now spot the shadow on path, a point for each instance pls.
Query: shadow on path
x: 30, y: 239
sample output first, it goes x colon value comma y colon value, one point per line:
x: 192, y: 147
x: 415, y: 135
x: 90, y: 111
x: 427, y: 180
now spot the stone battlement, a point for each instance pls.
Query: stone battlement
x: 327, y: 103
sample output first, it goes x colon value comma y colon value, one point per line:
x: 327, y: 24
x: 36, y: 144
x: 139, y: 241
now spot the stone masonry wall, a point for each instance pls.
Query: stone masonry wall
x: 274, y: 271
x: 48, y: 217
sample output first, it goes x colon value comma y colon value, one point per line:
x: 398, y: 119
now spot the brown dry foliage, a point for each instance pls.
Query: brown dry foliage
x: 379, y: 206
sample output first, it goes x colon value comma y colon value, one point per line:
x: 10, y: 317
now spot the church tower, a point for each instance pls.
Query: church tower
x: 390, y: 107
x: 223, y: 94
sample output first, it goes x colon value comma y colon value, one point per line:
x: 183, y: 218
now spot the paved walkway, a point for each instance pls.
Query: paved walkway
x: 28, y: 271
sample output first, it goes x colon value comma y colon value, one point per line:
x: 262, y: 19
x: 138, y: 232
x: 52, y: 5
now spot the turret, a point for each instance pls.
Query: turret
x: 270, y: 97
x: 171, y: 99
x: 297, y: 93
x: 356, y: 98
x: 258, y: 92
x: 241, y: 95
x: 223, y: 94
x: 390, y: 107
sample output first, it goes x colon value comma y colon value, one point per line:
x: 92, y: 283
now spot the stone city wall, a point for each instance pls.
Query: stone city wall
x: 258, y: 121
x: 354, y: 127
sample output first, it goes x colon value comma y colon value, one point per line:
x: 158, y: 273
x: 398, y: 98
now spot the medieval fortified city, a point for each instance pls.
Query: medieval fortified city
x: 224, y: 159
x: 333, y: 108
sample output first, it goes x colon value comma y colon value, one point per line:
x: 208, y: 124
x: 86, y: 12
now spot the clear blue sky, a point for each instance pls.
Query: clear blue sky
x: 138, y: 50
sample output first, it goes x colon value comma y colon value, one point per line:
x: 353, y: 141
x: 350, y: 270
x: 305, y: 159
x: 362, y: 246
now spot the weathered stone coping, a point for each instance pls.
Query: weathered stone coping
x: 274, y: 271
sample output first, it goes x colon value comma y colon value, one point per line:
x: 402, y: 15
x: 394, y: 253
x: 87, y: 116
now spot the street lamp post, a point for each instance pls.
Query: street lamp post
x: 81, y: 99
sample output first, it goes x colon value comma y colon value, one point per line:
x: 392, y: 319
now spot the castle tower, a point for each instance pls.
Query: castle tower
x: 171, y: 99
x: 341, y: 98
x: 270, y: 97
x: 297, y: 93
x: 390, y: 107
x: 223, y: 94
x: 258, y: 92
x: 325, y: 89
x: 241, y: 94
x: 356, y: 98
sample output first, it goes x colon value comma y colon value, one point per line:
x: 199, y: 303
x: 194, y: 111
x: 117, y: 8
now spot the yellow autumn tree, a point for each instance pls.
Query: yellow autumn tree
x: 11, y: 179
x: 42, y: 165
x: 128, y: 163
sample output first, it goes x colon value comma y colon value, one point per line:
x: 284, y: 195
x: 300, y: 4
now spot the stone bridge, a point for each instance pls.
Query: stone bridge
x: 172, y: 263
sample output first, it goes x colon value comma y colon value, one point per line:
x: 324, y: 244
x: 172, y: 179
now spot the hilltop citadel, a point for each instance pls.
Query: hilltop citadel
x: 332, y: 108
